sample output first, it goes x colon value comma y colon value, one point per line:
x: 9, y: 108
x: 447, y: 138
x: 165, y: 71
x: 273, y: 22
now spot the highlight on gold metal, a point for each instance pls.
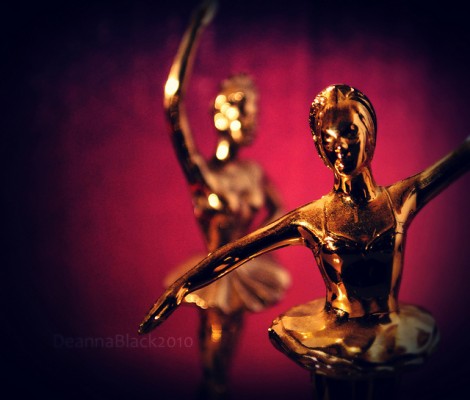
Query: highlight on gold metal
x: 171, y: 86
x: 214, y: 201
x: 228, y: 194
x: 356, y: 234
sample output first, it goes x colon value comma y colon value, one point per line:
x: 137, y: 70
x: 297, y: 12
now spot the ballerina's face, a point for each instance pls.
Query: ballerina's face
x: 235, y: 114
x: 345, y: 134
x: 235, y: 110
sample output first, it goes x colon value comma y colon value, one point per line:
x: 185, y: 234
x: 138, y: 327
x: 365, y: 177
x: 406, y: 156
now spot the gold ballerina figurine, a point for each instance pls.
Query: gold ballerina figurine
x: 357, y: 236
x: 229, y: 196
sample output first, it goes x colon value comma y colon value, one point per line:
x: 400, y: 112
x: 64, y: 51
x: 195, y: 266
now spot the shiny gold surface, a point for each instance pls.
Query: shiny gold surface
x: 318, y: 340
x: 231, y: 197
x: 357, y: 235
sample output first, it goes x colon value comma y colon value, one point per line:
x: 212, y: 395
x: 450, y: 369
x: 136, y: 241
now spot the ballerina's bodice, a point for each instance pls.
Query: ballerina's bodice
x: 360, y: 256
x: 232, y: 203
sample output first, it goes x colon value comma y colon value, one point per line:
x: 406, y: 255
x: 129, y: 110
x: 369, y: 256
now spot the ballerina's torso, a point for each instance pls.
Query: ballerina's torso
x: 358, y: 249
x: 232, y: 204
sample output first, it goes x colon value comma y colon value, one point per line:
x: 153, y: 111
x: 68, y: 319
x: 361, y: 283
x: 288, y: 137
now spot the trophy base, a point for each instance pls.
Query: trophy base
x: 377, y: 388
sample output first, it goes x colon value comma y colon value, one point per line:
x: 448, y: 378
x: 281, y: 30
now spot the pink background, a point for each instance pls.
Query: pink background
x: 98, y: 210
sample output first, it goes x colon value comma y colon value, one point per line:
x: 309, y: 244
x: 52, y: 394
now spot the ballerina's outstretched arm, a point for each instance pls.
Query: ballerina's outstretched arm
x: 280, y: 233
x: 412, y: 194
x: 191, y: 161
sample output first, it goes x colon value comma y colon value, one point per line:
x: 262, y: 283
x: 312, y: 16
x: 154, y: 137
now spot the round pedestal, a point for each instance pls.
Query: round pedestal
x: 378, y: 388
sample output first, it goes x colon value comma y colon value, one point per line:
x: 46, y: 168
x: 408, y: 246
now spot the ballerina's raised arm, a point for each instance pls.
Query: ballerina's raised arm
x: 193, y: 164
x: 412, y: 194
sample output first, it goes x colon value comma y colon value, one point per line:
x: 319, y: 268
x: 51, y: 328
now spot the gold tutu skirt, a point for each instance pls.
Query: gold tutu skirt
x: 258, y: 284
x: 322, y: 343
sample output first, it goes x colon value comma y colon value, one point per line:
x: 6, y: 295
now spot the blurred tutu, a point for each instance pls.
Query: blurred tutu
x: 258, y: 284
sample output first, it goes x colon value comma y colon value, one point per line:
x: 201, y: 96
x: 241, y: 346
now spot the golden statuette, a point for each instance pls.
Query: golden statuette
x: 360, y: 331
x: 229, y: 196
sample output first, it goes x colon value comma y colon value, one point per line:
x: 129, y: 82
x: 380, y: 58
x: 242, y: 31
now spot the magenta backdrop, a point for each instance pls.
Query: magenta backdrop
x: 98, y: 210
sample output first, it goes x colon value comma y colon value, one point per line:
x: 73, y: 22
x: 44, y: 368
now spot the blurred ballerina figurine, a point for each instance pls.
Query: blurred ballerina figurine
x: 230, y: 196
x: 357, y: 236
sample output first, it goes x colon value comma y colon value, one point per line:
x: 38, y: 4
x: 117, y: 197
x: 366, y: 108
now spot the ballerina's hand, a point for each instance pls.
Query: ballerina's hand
x: 206, y: 11
x: 162, y: 309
